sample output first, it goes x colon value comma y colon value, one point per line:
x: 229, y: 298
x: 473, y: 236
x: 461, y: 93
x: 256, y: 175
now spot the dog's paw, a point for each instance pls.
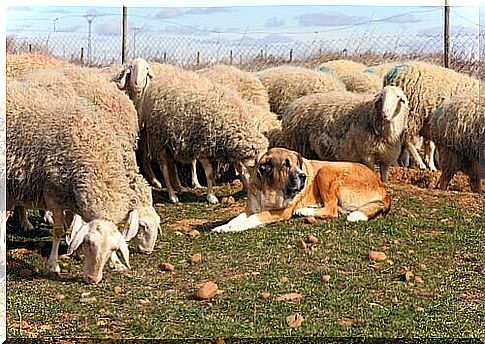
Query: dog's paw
x: 357, y: 216
x: 305, y: 212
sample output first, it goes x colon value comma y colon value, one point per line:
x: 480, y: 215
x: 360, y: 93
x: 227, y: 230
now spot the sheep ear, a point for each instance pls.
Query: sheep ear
x: 120, y: 80
x: 125, y: 253
x: 78, y: 238
x: 150, y: 73
x: 134, y: 224
x: 76, y: 224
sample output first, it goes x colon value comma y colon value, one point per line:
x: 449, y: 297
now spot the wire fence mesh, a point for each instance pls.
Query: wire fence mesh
x: 193, y: 52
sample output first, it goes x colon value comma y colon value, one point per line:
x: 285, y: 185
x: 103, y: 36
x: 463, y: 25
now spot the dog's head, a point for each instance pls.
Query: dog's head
x: 278, y: 177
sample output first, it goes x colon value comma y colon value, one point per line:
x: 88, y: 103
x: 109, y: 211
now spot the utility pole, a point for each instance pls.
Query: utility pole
x: 89, y: 18
x: 446, y: 35
x: 124, y: 36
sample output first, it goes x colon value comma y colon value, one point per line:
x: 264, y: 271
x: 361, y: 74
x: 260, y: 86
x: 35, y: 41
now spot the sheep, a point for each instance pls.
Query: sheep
x: 426, y: 85
x: 18, y: 65
x: 381, y: 70
x: 62, y: 155
x: 287, y: 83
x: 457, y: 127
x: 349, y: 126
x: 188, y: 117
x: 247, y: 85
x: 118, y: 111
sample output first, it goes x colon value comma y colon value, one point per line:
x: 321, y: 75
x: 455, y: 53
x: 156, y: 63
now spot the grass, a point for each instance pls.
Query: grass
x: 436, y: 235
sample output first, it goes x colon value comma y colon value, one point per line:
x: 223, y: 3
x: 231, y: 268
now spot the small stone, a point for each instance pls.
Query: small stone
x: 60, y: 297
x: 264, y: 295
x: 422, y: 266
x: 196, y: 258
x: 326, y: 278
x: 294, y: 320
x: 311, y: 239
x: 302, y: 244
x: 377, y: 256
x: 118, y: 289
x: 167, y: 267
x: 207, y: 291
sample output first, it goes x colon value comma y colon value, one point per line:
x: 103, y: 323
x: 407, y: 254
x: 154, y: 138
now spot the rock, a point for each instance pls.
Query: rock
x: 196, y: 258
x: 207, y: 291
x: 294, y: 320
x: 264, y: 295
x: 193, y: 233
x: 311, y: 239
x: 377, y: 256
x: 326, y: 278
x: 167, y: 267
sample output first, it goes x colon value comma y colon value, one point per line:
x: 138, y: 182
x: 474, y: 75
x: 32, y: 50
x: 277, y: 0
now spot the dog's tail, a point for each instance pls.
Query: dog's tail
x: 371, y: 210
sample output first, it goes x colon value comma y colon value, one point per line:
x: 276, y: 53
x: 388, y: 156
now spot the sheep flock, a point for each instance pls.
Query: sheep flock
x: 83, y: 143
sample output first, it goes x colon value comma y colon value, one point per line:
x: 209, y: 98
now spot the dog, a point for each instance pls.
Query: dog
x: 284, y: 184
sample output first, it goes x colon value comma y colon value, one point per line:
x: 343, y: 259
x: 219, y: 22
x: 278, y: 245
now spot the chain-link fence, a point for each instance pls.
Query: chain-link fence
x: 250, y: 54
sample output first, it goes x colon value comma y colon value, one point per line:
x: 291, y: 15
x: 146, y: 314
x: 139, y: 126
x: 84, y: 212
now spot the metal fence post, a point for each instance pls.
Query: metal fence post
x: 198, y: 58
x: 124, y: 42
x: 230, y: 57
x: 291, y: 55
x: 82, y: 55
x: 446, y: 40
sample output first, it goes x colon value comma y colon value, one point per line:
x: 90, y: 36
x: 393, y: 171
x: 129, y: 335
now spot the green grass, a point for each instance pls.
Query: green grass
x: 433, y: 235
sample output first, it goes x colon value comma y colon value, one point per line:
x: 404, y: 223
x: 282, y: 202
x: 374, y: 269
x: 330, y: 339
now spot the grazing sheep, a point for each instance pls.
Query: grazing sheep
x: 188, y: 117
x: 247, y: 85
x: 60, y: 156
x: 381, y: 70
x: 457, y: 127
x: 349, y: 126
x: 287, y: 83
x: 352, y: 75
x: 426, y: 86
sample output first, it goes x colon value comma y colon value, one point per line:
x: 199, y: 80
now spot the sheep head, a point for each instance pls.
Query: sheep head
x: 390, y: 103
x: 135, y: 77
x: 97, y: 239
x: 148, y: 228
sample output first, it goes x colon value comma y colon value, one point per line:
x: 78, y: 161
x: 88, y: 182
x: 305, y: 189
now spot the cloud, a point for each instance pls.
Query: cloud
x: 58, y: 10
x: 72, y: 28
x: 109, y: 28
x: 275, y: 39
x: 167, y: 13
x: 208, y: 10
x: 19, y: 8
x: 186, y: 30
x: 274, y: 22
x: 404, y: 18
x: 328, y: 19
x: 457, y: 30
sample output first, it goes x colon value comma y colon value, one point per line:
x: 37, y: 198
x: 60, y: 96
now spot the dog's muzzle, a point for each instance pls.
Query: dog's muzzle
x: 296, y: 183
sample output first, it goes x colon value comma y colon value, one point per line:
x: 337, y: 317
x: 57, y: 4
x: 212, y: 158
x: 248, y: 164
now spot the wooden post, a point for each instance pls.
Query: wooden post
x: 164, y: 56
x: 230, y: 57
x: 261, y: 54
x: 30, y: 47
x: 446, y: 34
x: 198, y: 58
x: 124, y: 43
x: 291, y: 55
x: 82, y: 55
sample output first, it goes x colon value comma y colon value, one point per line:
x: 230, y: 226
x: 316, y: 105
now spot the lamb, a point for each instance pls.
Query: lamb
x: 247, y: 85
x: 62, y: 155
x: 457, y: 128
x: 349, y: 126
x: 426, y: 86
x: 188, y: 117
x: 287, y: 83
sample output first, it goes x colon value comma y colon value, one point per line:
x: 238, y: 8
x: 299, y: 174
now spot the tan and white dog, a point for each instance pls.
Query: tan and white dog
x: 284, y: 184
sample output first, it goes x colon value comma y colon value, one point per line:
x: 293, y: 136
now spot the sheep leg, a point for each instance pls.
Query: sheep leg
x: 145, y: 160
x: 450, y: 167
x: 429, y: 149
x: 52, y: 265
x: 175, y: 176
x: 21, y: 218
x: 414, y: 153
x: 384, y: 171
x: 195, y: 180
x: 473, y: 172
x: 211, y: 198
x: 243, y: 174
x: 166, y: 177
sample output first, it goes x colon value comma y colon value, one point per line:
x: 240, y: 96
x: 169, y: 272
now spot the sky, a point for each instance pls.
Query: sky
x: 271, y: 23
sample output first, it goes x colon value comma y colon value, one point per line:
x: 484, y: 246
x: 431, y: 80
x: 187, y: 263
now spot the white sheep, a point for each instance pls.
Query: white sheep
x: 349, y: 126
x: 287, y: 83
x: 457, y: 128
x: 188, y: 117
x: 426, y: 86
